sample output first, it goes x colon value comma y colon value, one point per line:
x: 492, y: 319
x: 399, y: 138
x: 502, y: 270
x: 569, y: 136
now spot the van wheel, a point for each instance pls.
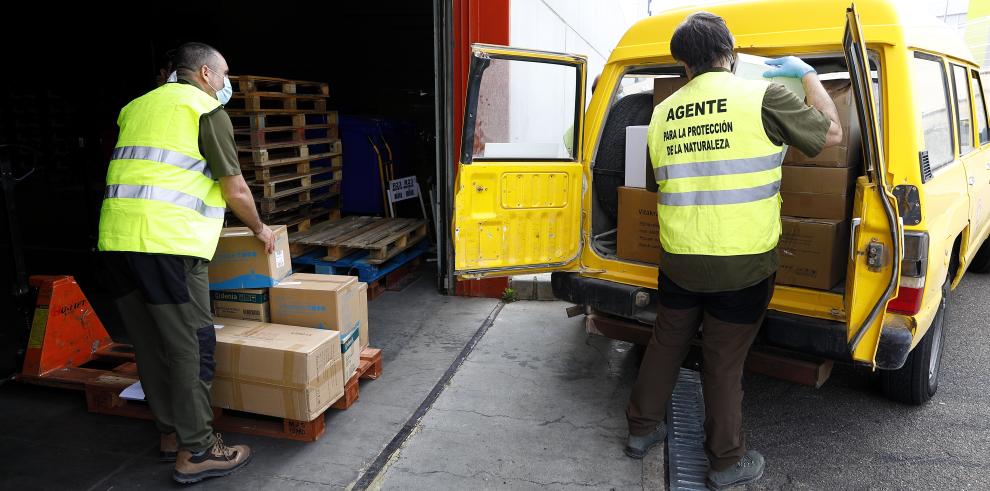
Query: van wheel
x: 981, y: 262
x: 917, y: 381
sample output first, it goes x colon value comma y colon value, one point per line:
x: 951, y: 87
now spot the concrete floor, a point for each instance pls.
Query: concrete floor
x: 538, y: 405
x: 533, y: 404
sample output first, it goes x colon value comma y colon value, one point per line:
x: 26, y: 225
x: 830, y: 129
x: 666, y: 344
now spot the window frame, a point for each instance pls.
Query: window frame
x: 978, y: 81
x: 940, y: 61
x: 956, y: 110
x: 575, y: 138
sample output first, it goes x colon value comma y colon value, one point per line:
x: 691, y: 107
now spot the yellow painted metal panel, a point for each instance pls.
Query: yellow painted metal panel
x: 515, y: 218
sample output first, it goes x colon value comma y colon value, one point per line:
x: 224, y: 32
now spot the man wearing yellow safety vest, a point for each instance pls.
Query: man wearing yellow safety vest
x: 173, y: 172
x: 716, y: 149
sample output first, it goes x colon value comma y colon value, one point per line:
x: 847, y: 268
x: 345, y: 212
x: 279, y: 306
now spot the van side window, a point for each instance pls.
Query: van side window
x: 931, y: 97
x: 965, y: 120
x: 981, y: 110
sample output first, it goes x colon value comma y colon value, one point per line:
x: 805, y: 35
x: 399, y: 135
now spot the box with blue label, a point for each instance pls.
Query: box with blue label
x: 245, y: 303
x: 241, y: 261
x: 317, y: 300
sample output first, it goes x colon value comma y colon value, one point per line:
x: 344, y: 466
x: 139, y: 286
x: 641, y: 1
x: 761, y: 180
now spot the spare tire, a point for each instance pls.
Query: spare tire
x: 610, y: 163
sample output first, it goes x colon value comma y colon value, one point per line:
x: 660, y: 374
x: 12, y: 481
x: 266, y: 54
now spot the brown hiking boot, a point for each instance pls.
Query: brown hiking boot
x: 218, y: 460
x: 169, y: 448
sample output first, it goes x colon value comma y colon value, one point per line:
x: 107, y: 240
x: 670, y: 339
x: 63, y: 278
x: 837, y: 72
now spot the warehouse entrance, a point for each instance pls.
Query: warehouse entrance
x: 63, y: 91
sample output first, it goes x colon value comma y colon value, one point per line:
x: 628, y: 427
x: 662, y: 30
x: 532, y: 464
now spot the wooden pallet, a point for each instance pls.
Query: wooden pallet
x: 254, y: 83
x: 303, y: 219
x: 382, y: 238
x: 261, y: 138
x: 332, y: 163
x: 252, y: 121
x: 370, y: 368
x: 294, y: 198
x: 288, y: 153
x: 394, y: 281
x: 278, y: 185
x: 277, y: 102
x: 302, y: 243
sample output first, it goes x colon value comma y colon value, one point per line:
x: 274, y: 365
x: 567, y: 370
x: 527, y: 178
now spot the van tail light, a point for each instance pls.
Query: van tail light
x: 914, y: 266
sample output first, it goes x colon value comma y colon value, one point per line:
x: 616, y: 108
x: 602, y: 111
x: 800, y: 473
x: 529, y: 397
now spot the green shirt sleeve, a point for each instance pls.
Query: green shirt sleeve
x: 216, y: 142
x: 787, y: 119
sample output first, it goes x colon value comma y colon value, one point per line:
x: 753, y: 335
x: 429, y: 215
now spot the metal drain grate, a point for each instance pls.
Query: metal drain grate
x: 687, y: 463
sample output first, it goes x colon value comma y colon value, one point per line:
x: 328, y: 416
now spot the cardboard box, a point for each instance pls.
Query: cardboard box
x: 283, y: 371
x: 241, y: 261
x: 638, y: 229
x: 637, y: 156
x: 363, y: 313
x: 665, y: 87
x: 317, y: 300
x: 817, y: 192
x: 848, y: 152
x: 813, y: 252
x: 300, y: 404
x: 289, y: 356
x: 350, y: 347
x: 248, y: 304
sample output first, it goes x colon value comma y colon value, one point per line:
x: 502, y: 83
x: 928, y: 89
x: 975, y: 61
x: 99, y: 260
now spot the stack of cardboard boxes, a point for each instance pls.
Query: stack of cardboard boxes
x: 286, y: 343
x: 817, y: 194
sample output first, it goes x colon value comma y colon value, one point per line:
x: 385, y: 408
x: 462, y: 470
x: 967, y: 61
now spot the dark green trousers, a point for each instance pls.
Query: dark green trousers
x: 165, y: 306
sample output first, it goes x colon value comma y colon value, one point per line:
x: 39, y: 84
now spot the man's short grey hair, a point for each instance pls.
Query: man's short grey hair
x: 190, y: 57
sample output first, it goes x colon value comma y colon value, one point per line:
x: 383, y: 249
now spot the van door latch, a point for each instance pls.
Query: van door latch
x: 874, y: 255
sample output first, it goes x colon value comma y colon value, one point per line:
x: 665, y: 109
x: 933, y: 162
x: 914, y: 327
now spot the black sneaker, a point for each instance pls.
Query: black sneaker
x: 638, y: 446
x: 749, y: 468
x: 218, y: 460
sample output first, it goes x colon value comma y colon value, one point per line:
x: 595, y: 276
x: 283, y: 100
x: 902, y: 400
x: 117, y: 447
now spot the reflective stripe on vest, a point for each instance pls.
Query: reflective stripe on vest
x: 160, y: 196
x: 718, y: 167
x: 721, y: 197
x: 165, y: 195
x: 163, y: 156
x: 717, y: 171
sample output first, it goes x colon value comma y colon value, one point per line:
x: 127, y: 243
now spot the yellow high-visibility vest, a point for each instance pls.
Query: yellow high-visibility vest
x: 717, y: 170
x: 160, y: 195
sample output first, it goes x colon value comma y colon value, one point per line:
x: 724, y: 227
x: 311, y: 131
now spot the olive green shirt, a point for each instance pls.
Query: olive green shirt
x: 786, y: 120
x: 216, y: 142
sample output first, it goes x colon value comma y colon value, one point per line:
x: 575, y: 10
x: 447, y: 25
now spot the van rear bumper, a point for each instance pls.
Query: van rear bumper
x: 808, y: 335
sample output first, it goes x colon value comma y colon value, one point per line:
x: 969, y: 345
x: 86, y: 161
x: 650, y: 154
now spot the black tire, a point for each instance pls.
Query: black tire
x: 981, y: 262
x: 610, y: 162
x: 917, y: 381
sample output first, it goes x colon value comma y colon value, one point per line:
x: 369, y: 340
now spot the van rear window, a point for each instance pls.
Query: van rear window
x: 931, y: 98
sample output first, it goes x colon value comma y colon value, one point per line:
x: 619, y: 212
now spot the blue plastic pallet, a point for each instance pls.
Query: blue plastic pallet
x: 356, y: 262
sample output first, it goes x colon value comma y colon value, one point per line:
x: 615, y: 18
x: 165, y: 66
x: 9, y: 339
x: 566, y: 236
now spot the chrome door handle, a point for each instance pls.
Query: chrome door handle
x: 852, y: 238
x: 972, y: 180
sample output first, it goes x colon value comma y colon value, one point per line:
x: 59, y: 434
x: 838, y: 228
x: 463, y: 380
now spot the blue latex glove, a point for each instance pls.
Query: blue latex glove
x: 788, y: 66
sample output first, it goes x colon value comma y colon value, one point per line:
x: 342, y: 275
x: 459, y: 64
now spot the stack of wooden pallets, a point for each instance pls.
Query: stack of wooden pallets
x: 288, y: 148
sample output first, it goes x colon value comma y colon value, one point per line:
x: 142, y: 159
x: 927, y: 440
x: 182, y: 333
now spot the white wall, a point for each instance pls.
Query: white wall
x: 541, y: 108
x: 586, y: 27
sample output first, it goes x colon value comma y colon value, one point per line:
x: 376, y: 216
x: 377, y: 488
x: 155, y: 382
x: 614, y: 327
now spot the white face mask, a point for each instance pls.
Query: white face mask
x: 224, y: 94
x: 172, y: 77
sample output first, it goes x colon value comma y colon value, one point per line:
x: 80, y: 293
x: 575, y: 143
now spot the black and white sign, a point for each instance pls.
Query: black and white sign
x: 403, y: 189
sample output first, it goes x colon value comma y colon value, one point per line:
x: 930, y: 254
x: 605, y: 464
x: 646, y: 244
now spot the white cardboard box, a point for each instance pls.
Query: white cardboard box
x: 637, y: 156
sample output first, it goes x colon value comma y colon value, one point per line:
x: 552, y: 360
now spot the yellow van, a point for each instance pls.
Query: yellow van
x: 538, y: 178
